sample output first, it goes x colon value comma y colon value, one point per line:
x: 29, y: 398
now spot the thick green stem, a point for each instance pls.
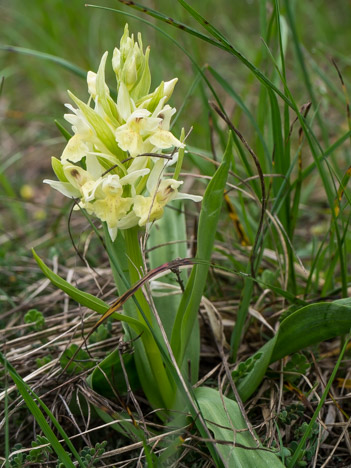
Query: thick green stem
x: 126, y: 260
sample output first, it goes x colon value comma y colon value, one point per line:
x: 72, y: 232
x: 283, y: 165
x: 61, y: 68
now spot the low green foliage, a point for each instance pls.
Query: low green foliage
x: 291, y: 413
x: 244, y: 368
x: 91, y: 455
x: 298, y: 364
x: 17, y: 461
x: 36, y: 318
x: 102, y: 333
x: 39, y: 454
x: 311, y: 444
x: 40, y: 362
x: 74, y: 360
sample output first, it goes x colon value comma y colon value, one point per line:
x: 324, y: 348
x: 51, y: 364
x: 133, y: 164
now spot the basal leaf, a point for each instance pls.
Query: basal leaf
x: 224, y: 419
x: 306, y: 326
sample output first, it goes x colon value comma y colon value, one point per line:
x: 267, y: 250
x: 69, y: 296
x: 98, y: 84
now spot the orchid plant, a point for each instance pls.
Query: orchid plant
x: 113, y: 167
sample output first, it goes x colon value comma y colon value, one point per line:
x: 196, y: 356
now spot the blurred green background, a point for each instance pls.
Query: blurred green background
x: 35, y: 90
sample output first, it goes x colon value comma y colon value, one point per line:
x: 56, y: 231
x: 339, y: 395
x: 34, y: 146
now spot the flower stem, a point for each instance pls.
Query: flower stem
x: 125, y: 254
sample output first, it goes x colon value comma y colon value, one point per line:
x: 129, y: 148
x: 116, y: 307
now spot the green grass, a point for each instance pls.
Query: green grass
x: 271, y: 240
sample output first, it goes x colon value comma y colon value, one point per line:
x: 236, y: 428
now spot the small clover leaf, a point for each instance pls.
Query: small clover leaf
x: 36, y: 318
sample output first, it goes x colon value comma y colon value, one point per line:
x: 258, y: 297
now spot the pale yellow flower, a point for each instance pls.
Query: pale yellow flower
x: 96, y: 167
x: 139, y: 125
x: 151, y: 208
x: 76, y: 148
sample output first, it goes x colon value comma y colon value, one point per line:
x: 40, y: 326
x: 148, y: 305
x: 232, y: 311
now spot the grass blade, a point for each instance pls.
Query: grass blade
x: 302, y: 443
x: 301, y: 61
x: 229, y: 90
x: 29, y: 397
x: 225, y: 45
x: 42, y: 55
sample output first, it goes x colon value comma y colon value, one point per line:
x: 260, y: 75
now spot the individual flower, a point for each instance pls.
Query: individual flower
x: 108, y: 203
x: 131, y: 135
x: 151, y: 207
x: 143, y: 133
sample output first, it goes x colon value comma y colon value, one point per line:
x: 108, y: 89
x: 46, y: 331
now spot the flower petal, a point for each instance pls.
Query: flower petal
x: 188, y: 196
x: 94, y: 168
x: 91, y: 80
x: 75, y: 149
x: 124, y: 104
x: 113, y: 232
x: 155, y: 175
x: 163, y: 139
x: 129, y: 140
x: 76, y: 175
x: 112, y: 208
x: 134, y: 176
x: 128, y: 221
x: 63, y: 187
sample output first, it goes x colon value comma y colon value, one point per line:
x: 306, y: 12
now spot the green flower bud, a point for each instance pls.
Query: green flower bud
x: 164, y: 91
x: 131, y: 65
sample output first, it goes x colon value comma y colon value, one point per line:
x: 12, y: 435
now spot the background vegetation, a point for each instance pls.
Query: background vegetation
x: 298, y: 257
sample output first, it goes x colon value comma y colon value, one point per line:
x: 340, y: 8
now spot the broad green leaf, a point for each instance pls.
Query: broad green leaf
x: 309, y: 325
x: 171, y: 228
x: 124, y: 253
x: 186, y: 318
x: 224, y: 419
x: 32, y: 401
x: 141, y: 356
x: 248, y: 384
x: 85, y: 299
x: 110, y: 372
x: 306, y: 326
